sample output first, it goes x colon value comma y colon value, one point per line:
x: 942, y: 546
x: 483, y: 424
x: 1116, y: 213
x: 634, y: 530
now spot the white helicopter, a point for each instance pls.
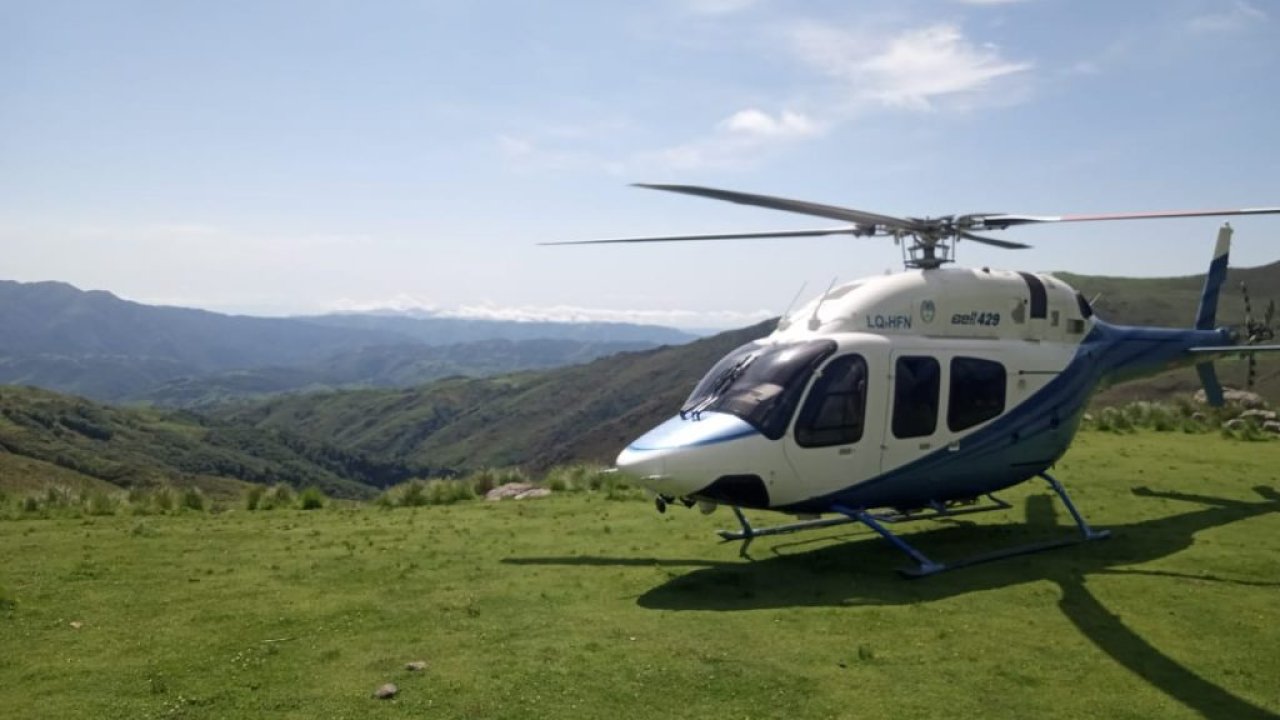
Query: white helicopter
x: 912, y: 396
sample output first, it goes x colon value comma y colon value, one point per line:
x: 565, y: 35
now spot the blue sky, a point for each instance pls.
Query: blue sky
x: 288, y: 157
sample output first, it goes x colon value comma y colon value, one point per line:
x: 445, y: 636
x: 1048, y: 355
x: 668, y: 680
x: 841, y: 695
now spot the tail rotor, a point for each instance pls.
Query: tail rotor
x: 1255, y: 332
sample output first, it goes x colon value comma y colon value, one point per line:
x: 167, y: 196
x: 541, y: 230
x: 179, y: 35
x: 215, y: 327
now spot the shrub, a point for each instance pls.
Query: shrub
x: 447, y: 492
x: 100, y: 503
x: 482, y: 481
x: 414, y: 494
x: 164, y: 499
x: 280, y: 496
x: 193, y: 499
x: 30, y: 504
x: 253, y: 498
x: 1113, y: 420
x: 1162, y: 418
x: 313, y: 498
x: 56, y: 497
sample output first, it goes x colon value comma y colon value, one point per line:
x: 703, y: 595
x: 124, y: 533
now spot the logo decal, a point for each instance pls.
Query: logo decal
x: 926, y: 311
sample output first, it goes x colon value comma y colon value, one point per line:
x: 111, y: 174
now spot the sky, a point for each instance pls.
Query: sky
x: 301, y: 157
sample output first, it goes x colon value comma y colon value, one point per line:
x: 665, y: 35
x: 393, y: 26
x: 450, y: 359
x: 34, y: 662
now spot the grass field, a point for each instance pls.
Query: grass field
x: 578, y: 606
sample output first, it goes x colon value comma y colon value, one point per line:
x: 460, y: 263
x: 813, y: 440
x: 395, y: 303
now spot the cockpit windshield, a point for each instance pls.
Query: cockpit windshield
x: 760, y: 383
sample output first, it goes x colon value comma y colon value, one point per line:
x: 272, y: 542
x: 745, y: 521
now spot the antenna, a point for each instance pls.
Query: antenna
x: 783, y: 321
x: 813, y: 320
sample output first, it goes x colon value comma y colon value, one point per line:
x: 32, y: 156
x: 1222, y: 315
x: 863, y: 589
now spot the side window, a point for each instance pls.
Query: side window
x: 836, y: 406
x: 977, y: 392
x: 915, y: 396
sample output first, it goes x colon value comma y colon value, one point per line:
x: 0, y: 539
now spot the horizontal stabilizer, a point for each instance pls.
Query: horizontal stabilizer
x: 1227, y: 350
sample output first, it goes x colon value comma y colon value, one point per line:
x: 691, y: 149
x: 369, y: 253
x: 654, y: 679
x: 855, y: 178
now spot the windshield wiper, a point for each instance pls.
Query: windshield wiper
x: 718, y: 387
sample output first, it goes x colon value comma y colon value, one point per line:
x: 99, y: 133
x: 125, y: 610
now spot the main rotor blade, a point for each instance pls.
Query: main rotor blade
x: 1004, y: 221
x: 992, y: 241
x: 717, y: 236
x: 797, y: 206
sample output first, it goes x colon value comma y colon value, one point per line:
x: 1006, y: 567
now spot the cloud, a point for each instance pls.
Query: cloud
x: 915, y: 68
x: 718, y: 7
x: 410, y: 305
x: 1241, y: 16
x: 738, y: 140
x: 989, y: 2
x: 759, y: 124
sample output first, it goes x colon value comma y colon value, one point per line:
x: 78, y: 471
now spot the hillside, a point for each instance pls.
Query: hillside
x: 1171, y: 302
x: 56, y: 336
x: 382, y: 366
x: 75, y: 442
x: 536, y: 419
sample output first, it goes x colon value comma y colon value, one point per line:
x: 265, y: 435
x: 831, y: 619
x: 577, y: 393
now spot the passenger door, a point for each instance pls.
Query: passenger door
x: 912, y: 419
x: 833, y: 442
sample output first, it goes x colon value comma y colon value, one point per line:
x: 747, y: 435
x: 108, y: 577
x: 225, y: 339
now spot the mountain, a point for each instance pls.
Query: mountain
x: 351, y: 443
x: 56, y: 336
x: 382, y: 366
x: 1172, y: 302
x: 80, y: 443
x: 584, y: 412
x: 441, y: 330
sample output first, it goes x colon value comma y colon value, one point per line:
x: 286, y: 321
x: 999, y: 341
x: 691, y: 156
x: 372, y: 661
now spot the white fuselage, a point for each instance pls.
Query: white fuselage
x: 943, y: 327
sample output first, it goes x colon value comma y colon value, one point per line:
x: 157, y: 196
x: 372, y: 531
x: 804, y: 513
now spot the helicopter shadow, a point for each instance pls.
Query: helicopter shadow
x: 859, y: 573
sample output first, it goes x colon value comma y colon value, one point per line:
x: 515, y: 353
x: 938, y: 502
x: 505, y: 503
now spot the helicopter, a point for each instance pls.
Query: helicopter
x: 916, y: 395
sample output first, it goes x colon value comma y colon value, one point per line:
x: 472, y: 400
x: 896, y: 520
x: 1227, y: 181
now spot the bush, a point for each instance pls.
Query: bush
x: 414, y: 494
x: 30, y: 504
x: 482, y: 481
x: 280, y: 496
x: 313, y: 498
x: 100, y: 503
x: 164, y: 499
x: 1163, y: 418
x: 253, y: 498
x: 448, y: 492
x: 193, y: 499
x: 56, y: 497
x: 1113, y: 420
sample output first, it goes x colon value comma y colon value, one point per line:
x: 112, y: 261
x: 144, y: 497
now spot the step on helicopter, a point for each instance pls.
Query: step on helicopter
x: 916, y: 395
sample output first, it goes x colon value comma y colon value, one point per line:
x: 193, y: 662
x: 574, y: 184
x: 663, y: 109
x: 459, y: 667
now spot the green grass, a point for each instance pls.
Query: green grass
x: 579, y: 606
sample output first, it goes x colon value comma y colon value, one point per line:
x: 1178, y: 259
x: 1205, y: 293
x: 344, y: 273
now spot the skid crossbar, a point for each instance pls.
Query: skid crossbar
x: 923, y: 564
x: 750, y: 532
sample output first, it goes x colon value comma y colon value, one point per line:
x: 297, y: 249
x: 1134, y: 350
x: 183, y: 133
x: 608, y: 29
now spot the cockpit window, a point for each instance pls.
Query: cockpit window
x: 760, y: 383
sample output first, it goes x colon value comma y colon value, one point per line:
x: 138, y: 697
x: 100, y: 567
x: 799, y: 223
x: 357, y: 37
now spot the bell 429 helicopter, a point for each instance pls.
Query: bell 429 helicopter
x: 914, y: 395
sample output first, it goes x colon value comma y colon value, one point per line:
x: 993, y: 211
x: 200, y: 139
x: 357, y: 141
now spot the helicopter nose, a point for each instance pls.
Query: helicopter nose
x: 677, y: 458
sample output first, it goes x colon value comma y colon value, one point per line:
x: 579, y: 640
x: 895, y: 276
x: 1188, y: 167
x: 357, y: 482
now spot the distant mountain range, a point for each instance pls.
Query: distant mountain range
x: 55, y: 336
x: 351, y: 443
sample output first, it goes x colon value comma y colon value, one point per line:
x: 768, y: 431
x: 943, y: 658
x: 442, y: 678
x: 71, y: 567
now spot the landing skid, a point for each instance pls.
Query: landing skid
x: 749, y: 532
x: 924, y: 565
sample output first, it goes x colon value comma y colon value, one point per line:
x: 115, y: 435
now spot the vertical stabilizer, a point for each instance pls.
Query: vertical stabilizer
x: 1207, y: 314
